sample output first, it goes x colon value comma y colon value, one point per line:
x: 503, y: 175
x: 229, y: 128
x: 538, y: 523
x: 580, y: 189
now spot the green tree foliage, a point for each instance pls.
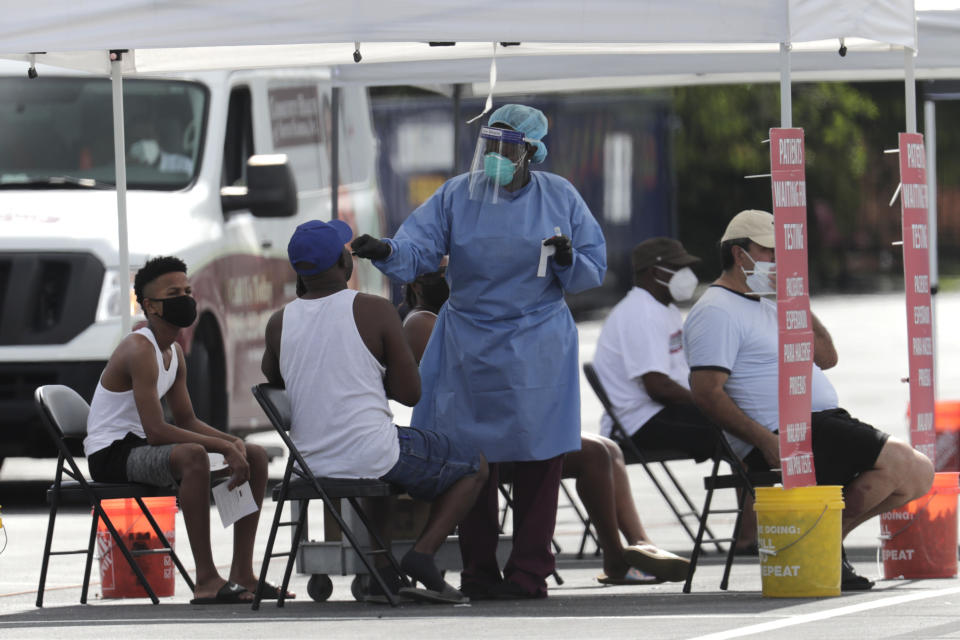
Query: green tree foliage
x: 718, y: 141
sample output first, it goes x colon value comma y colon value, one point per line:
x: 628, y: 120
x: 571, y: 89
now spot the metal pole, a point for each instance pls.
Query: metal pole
x: 335, y: 153
x: 910, y: 90
x: 119, y: 156
x: 786, y: 102
x: 930, y: 137
x: 457, y: 98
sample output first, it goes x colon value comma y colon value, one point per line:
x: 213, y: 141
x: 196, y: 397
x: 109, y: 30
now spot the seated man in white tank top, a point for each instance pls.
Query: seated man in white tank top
x: 129, y: 440
x: 341, y: 354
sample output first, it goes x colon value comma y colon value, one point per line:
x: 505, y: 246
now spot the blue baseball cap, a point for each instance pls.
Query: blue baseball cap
x: 318, y: 243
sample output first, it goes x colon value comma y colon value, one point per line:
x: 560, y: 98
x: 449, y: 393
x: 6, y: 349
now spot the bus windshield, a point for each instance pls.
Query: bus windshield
x: 57, y: 132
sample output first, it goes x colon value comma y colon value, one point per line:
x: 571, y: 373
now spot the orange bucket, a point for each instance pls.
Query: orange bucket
x: 920, y: 538
x: 117, y: 579
x: 946, y: 423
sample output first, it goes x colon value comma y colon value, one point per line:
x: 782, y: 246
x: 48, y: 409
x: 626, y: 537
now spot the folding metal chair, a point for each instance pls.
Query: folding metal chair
x: 64, y: 413
x: 745, y: 481
x: 301, y: 485
x: 647, y: 458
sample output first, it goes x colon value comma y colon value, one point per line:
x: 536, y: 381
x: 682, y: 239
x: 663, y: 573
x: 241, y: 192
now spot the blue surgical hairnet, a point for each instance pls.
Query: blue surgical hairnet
x: 531, y: 122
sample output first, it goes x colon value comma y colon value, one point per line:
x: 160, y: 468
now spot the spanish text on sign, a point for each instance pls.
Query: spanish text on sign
x: 924, y: 421
x: 795, y: 286
x: 923, y: 346
x: 915, y: 196
x: 790, y: 193
x: 924, y: 376
x: 797, y: 432
x: 796, y: 319
x: 793, y: 236
x: 921, y: 284
x: 791, y: 151
x: 915, y: 159
x: 797, y: 352
x: 799, y: 464
x: 798, y: 385
x: 919, y: 236
x: 921, y: 314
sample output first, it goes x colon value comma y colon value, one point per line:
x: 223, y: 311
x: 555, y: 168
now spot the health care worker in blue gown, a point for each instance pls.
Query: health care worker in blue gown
x: 501, y: 367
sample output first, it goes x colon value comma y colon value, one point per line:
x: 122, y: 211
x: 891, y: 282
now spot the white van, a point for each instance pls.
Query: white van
x: 188, y: 140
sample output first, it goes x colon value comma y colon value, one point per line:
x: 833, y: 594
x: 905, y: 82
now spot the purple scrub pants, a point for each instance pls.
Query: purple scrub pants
x: 536, y: 485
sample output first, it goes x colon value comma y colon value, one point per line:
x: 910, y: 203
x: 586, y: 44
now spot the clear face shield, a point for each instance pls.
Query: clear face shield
x: 499, y: 164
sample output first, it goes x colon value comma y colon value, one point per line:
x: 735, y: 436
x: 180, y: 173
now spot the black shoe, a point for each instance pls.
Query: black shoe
x: 508, y: 590
x: 478, y: 590
x: 850, y: 580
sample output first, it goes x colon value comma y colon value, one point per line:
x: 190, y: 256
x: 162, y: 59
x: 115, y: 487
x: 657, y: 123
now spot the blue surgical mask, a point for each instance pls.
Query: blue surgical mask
x: 499, y: 169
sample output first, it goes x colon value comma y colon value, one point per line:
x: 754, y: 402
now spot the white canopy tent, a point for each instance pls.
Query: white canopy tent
x: 59, y: 26
x: 656, y: 42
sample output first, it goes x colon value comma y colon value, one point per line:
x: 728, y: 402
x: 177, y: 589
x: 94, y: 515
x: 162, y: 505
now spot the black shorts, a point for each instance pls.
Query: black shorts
x: 680, y: 427
x: 110, y: 463
x: 843, y: 447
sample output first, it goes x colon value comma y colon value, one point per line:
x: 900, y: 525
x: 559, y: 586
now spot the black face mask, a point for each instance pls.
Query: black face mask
x: 180, y: 311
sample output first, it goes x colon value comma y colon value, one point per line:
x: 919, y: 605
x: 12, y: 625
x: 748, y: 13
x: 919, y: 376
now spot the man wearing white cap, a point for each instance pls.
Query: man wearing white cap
x: 730, y: 338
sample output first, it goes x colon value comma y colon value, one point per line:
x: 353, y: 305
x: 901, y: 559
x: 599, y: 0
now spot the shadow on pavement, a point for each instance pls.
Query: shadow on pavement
x: 602, y: 604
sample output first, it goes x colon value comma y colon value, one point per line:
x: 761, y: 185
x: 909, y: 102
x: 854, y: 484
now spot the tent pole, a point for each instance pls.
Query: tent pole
x: 930, y: 137
x: 786, y: 102
x: 335, y: 153
x: 910, y: 90
x: 457, y: 98
x: 119, y: 156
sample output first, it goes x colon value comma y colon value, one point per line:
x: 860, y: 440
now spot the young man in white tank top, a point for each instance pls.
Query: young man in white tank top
x: 129, y: 440
x: 341, y: 355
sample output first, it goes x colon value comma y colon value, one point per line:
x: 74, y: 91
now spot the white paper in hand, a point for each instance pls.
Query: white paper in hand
x: 233, y: 504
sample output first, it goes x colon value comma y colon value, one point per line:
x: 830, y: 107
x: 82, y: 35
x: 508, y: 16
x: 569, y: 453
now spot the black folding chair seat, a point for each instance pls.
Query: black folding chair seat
x: 64, y: 414
x: 633, y: 455
x: 746, y: 482
x: 300, y: 484
x: 303, y: 489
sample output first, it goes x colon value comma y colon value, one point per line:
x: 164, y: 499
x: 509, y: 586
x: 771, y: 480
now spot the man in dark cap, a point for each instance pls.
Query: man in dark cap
x: 640, y: 358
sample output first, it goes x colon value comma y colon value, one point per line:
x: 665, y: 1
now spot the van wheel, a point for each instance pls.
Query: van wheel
x: 206, y: 376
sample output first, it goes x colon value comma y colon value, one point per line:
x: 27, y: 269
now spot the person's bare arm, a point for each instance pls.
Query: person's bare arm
x: 417, y: 332
x: 824, y: 353
x: 706, y: 388
x: 664, y: 390
x: 380, y: 329
x: 142, y: 365
x: 270, y: 363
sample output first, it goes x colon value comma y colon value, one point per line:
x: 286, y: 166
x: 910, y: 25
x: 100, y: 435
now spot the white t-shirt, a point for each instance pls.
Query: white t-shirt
x: 736, y: 333
x: 341, y: 421
x: 640, y: 336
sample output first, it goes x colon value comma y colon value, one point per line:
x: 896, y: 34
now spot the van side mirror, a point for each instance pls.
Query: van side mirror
x: 271, y: 191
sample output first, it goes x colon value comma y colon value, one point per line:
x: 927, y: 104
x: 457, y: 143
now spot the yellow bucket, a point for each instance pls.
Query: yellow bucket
x: 798, y: 532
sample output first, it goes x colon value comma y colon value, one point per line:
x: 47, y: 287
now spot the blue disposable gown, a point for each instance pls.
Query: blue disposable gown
x: 501, y: 367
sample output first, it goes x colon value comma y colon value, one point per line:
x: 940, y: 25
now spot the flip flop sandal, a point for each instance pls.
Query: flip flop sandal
x: 633, y: 576
x: 272, y: 592
x: 449, y: 595
x: 656, y: 561
x: 229, y: 593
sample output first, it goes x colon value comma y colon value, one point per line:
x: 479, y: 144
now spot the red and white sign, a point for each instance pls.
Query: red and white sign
x: 793, y: 306
x: 916, y: 274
